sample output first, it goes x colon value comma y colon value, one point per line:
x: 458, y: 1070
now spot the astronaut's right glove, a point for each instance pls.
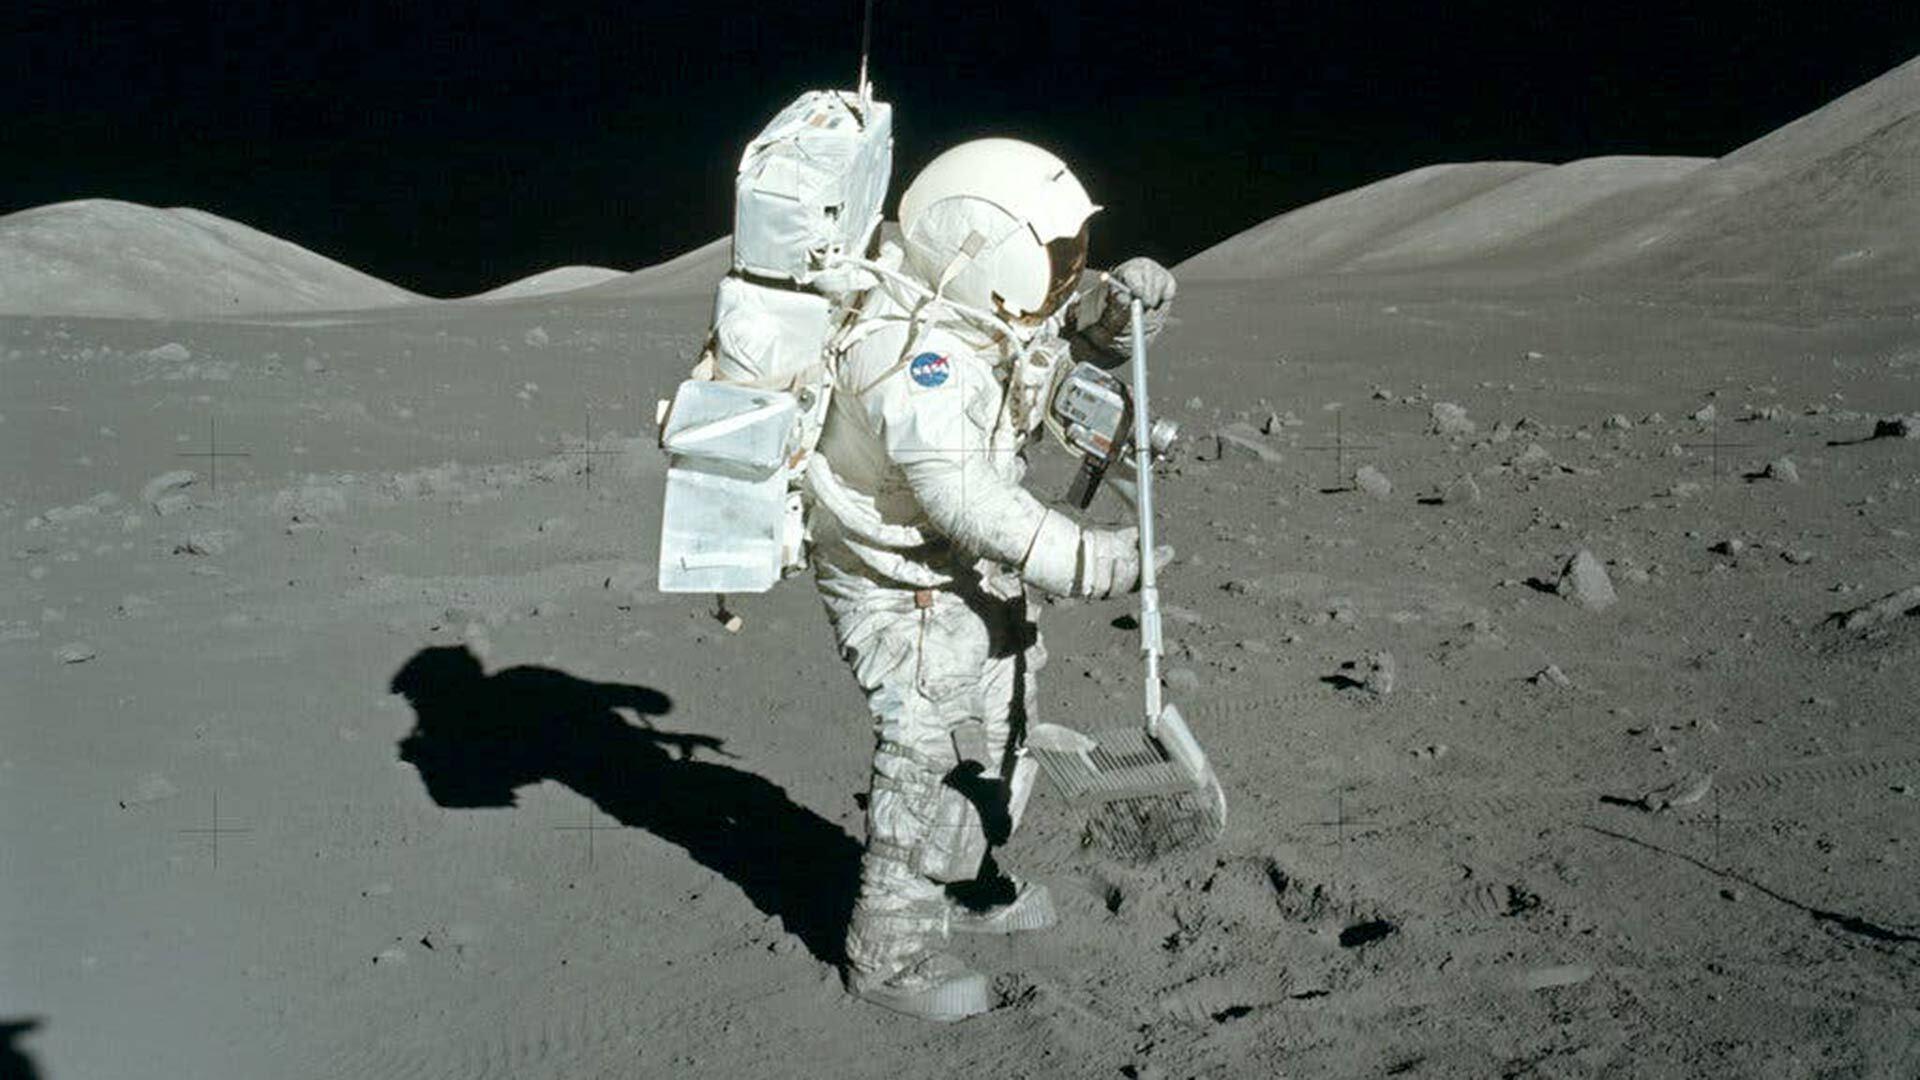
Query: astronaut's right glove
x: 1110, y: 562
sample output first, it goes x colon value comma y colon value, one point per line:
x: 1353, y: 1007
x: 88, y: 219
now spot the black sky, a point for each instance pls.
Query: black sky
x: 450, y: 148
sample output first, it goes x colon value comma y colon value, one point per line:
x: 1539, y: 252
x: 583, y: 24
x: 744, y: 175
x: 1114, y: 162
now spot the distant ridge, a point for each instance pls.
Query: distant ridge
x: 1834, y: 194
x: 547, y: 282
x: 112, y: 258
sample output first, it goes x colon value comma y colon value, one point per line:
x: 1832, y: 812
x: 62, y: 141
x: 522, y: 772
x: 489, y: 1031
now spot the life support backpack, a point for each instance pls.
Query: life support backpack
x: 739, y: 431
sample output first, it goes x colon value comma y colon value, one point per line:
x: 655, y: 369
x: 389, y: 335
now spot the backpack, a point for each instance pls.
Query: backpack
x: 738, y: 433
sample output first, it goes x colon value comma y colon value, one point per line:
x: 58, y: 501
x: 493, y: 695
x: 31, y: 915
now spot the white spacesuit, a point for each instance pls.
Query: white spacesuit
x: 924, y: 543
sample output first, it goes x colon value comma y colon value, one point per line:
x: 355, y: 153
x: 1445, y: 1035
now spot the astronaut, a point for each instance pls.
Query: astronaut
x: 925, y: 543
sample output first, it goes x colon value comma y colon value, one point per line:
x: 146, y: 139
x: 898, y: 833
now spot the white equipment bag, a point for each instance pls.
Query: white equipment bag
x: 738, y: 432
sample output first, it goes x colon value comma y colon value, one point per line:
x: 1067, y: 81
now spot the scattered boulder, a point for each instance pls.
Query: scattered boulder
x: 1898, y: 427
x: 1243, y: 440
x: 172, y: 352
x: 151, y: 788
x: 166, y: 493
x: 1732, y: 545
x: 1684, y: 791
x: 1450, y: 419
x: 75, y: 652
x: 1461, y: 491
x: 1372, y: 481
x: 1705, y: 414
x: 1184, y: 680
x: 310, y: 502
x: 1551, y: 675
x: 1781, y: 469
x: 1618, y: 422
x: 1892, y: 606
x: 1584, y: 581
x: 1378, y: 673
x: 206, y: 542
x: 537, y: 337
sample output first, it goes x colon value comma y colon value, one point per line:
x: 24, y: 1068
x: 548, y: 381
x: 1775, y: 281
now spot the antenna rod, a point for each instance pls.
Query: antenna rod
x: 866, y: 45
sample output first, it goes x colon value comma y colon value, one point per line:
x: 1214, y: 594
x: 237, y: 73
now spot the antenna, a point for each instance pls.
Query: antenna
x: 866, y: 45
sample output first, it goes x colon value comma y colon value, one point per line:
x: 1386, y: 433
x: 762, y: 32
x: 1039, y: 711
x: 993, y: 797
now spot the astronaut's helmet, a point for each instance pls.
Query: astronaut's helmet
x: 998, y: 224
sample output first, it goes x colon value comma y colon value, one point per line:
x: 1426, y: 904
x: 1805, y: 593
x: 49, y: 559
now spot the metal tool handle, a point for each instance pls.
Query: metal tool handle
x: 1150, y: 642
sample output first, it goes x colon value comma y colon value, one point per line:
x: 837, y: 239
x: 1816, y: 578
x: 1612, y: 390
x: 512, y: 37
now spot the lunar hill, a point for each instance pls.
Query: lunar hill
x: 111, y: 258
x: 1835, y: 193
x: 114, y: 259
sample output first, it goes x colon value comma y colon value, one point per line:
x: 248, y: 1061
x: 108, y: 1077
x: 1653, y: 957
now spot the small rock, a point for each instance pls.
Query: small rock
x: 537, y: 337
x: 1243, y: 440
x: 1732, y: 894
x: 172, y: 352
x: 1730, y: 546
x: 1584, y: 581
x: 1379, y: 673
x: 734, y: 624
x: 1462, y: 491
x: 1618, y: 422
x: 1783, y: 470
x: 165, y: 487
x: 1684, y: 791
x: 1372, y: 481
x: 1653, y: 418
x: 1185, y: 680
x: 1797, y: 556
x: 1550, y: 978
x: 1432, y: 753
x: 151, y: 788
x: 1533, y: 459
x: 1766, y: 412
x: 1551, y: 675
x: 1705, y: 414
x: 75, y: 652
x: 1898, y: 427
x: 1450, y: 419
x: 313, y: 365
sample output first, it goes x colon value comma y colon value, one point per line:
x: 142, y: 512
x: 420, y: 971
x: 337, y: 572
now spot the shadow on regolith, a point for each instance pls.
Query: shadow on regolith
x: 477, y: 737
x: 15, y: 1062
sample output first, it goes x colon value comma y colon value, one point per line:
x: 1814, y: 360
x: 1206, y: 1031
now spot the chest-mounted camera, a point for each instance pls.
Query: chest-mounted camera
x: 1091, y: 413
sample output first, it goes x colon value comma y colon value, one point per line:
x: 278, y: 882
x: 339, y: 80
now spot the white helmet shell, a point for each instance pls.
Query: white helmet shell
x: 998, y: 224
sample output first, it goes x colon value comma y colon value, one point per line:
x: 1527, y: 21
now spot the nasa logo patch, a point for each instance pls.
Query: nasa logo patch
x: 929, y: 369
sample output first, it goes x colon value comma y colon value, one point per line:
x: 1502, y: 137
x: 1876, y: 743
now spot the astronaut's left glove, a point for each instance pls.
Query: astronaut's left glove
x: 1144, y: 278
x: 1103, y: 317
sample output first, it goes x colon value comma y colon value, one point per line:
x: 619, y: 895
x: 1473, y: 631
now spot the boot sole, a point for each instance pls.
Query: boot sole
x: 945, y: 1004
x: 1035, y: 914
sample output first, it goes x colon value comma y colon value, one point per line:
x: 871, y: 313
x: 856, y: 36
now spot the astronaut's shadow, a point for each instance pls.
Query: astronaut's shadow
x: 477, y: 737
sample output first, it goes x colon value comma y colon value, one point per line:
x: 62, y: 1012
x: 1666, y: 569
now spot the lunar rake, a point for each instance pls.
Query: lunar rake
x: 1148, y: 789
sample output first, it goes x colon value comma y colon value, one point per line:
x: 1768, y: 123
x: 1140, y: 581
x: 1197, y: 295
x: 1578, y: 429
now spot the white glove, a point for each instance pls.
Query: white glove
x: 1105, y: 317
x: 1110, y: 561
x: 1146, y: 279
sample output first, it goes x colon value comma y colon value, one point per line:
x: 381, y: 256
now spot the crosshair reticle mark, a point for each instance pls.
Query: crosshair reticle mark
x: 1339, y: 448
x: 1714, y: 442
x: 1341, y: 822
x: 591, y: 827
x: 214, y: 830
x: 587, y: 449
x: 213, y: 454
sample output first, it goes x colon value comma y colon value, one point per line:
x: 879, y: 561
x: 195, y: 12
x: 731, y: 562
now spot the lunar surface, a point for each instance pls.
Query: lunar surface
x: 1547, y: 595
